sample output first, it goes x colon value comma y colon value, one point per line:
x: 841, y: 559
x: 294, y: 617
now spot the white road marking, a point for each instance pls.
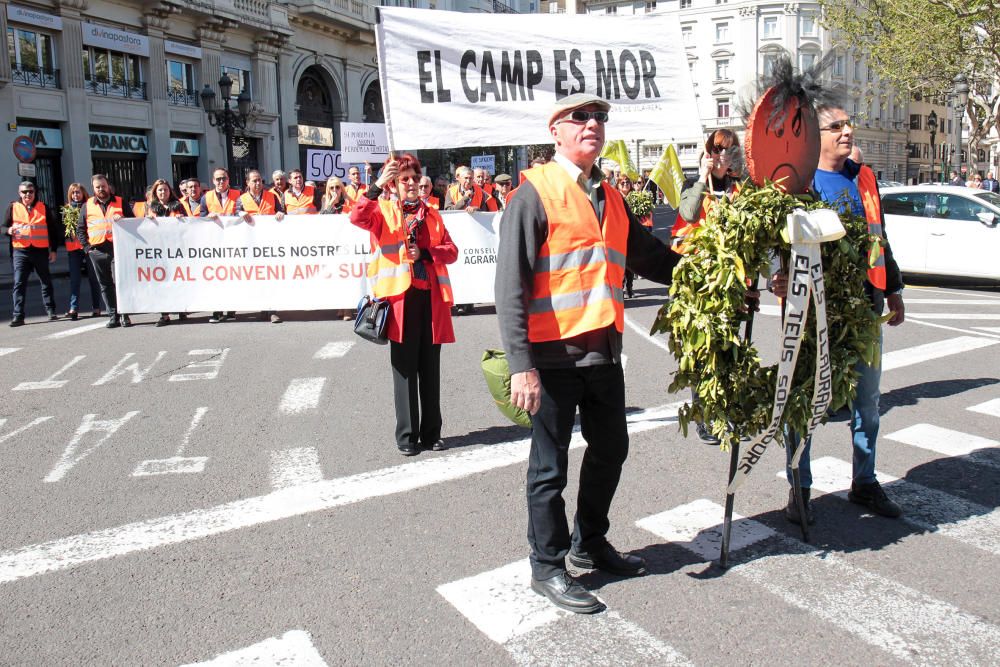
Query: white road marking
x: 67, y: 552
x: 994, y: 330
x: 8, y: 350
x: 176, y: 463
x: 991, y: 408
x: 75, y: 330
x: 659, y: 340
x: 50, y: 382
x: 334, y: 350
x: 902, y: 621
x: 930, y: 351
x: 693, y: 526
x: 945, y: 327
x: 952, y: 293
x: 214, y: 364
x: 34, y: 422
x: 295, y: 467
x: 504, y: 608
x: 943, y: 440
x: 71, y: 456
x: 955, y: 316
x: 294, y: 648
x: 953, y: 302
x: 302, y: 394
x: 928, y: 509
x: 770, y: 310
x: 138, y: 375
x: 624, y: 360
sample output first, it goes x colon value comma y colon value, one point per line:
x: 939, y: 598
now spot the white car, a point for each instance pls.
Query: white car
x: 944, y: 230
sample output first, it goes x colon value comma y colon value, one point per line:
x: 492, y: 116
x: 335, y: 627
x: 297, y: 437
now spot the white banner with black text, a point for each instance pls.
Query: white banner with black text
x: 303, y: 262
x: 465, y: 79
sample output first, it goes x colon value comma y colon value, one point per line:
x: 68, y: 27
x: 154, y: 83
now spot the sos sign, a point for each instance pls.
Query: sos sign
x: 322, y: 164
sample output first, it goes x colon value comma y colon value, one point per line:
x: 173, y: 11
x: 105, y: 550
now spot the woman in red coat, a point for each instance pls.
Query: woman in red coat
x: 411, y: 249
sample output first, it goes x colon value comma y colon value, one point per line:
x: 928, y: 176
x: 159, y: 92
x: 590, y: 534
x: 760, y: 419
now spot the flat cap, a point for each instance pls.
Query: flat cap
x: 575, y: 101
x: 502, y: 178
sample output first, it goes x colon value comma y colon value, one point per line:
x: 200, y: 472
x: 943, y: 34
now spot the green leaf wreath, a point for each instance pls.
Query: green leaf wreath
x: 706, y: 311
x: 640, y: 203
x: 70, y: 216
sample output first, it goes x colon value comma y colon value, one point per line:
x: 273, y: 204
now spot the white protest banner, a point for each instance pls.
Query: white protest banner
x: 303, y: 262
x: 363, y: 142
x: 487, y: 162
x: 457, y: 79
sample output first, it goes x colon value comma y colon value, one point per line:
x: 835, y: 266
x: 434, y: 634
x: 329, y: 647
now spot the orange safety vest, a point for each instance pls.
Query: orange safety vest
x: 268, y: 205
x: 581, y: 265
x: 433, y: 202
x: 354, y: 192
x: 139, y: 209
x: 455, y: 192
x: 389, y: 269
x: 301, y: 203
x: 215, y: 205
x: 37, y: 233
x: 99, y: 222
x: 868, y: 189
x: 192, y: 212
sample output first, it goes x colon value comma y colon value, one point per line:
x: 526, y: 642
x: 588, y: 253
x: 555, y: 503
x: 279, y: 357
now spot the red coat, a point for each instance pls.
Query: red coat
x: 366, y: 215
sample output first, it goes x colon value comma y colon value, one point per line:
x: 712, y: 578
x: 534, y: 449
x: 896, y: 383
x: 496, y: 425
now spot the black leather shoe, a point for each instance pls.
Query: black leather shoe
x: 873, y: 497
x: 609, y: 560
x: 17, y: 322
x: 52, y: 316
x: 566, y: 593
x: 436, y: 446
x: 112, y: 323
x: 705, y: 435
x: 792, y: 508
x: 409, y: 449
x: 126, y: 321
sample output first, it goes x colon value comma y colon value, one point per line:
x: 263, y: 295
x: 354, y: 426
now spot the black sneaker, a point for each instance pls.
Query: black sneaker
x: 792, y: 508
x: 17, y: 322
x: 705, y: 435
x: 873, y: 497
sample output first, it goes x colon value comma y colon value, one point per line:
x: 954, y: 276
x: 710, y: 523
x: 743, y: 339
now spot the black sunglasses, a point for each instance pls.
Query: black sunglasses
x: 719, y: 149
x: 27, y: 192
x: 837, y: 126
x: 579, y: 116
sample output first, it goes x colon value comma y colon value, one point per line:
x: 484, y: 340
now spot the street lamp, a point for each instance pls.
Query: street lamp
x: 961, y: 97
x: 226, y: 118
x: 932, y: 127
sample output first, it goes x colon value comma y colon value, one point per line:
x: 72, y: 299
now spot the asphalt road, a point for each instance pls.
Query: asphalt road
x: 178, y: 494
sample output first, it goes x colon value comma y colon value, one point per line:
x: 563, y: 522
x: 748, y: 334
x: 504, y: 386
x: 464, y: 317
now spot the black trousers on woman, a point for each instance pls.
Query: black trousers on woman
x: 416, y: 374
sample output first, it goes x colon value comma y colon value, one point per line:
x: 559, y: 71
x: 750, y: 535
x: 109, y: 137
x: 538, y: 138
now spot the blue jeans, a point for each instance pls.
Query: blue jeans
x: 864, y: 430
x: 27, y: 260
x: 76, y: 260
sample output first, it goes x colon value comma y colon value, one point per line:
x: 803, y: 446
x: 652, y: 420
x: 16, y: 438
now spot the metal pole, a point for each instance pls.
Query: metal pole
x: 227, y: 124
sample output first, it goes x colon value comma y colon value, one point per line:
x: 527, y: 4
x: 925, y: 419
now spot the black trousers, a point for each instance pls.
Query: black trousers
x: 102, y: 258
x: 599, y: 391
x: 416, y: 374
x: 25, y: 261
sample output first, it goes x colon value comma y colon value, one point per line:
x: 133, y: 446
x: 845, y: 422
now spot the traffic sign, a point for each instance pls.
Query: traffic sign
x: 26, y: 170
x: 24, y: 149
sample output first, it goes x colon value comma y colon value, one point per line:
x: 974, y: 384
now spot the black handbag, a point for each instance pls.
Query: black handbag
x: 371, y: 320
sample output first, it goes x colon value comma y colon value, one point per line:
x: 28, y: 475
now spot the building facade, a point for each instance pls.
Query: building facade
x: 115, y: 87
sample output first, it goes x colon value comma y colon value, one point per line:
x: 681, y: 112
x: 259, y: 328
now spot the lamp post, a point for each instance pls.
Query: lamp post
x: 961, y: 98
x: 226, y: 118
x: 932, y: 127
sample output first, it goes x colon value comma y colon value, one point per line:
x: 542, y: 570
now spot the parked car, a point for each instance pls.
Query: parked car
x: 944, y: 230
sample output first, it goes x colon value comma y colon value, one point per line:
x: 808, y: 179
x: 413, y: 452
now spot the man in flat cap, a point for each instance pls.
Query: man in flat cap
x: 565, y: 242
x: 503, y: 184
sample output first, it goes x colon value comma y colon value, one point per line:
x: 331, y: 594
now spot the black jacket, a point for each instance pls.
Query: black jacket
x: 52, y: 224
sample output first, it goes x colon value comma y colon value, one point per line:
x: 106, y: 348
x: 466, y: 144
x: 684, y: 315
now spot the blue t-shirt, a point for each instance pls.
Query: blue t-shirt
x: 839, y: 187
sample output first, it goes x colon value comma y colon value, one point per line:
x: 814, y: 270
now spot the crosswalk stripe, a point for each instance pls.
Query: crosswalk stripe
x: 75, y: 330
x: 302, y: 394
x: 292, y: 648
x: 64, y: 553
x: 294, y: 467
x: 334, y: 350
x: 501, y: 604
x: 929, y: 351
x: 991, y: 408
x: 8, y: 350
x: 953, y: 302
x: 994, y: 330
x: 900, y: 620
x: 929, y: 509
x: 955, y: 316
x: 948, y: 442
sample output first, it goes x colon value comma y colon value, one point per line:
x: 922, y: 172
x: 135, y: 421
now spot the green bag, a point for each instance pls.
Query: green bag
x: 497, y: 374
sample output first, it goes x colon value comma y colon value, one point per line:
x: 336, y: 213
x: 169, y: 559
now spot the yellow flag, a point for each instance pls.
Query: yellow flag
x: 669, y: 176
x: 616, y: 150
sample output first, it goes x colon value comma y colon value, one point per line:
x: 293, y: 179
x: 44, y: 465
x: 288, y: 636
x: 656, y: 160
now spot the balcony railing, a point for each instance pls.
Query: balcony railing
x: 182, y: 97
x: 32, y: 76
x: 117, y: 88
x: 502, y: 8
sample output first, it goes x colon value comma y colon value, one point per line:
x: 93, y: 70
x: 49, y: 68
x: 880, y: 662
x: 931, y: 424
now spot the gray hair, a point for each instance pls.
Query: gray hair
x: 277, y: 173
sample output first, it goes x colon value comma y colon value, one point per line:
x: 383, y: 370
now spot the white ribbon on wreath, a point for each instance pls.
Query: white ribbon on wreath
x: 806, y: 231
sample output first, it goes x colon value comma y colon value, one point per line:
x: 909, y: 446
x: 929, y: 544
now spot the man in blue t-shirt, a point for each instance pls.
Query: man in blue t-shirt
x: 836, y: 182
